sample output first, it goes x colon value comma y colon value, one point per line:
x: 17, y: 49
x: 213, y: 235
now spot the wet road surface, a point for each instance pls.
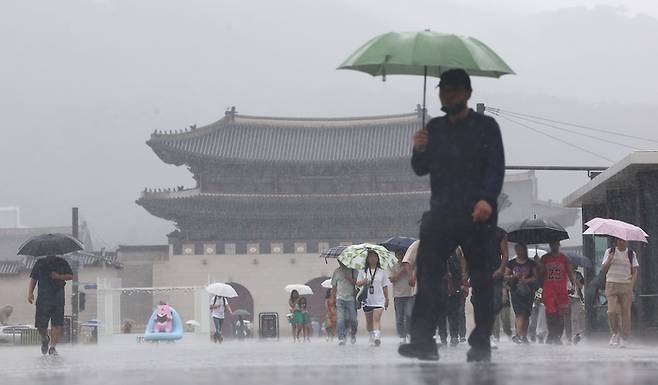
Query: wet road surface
x: 196, y: 361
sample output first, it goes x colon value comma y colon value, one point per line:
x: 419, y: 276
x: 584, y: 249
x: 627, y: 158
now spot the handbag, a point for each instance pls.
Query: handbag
x: 362, y: 296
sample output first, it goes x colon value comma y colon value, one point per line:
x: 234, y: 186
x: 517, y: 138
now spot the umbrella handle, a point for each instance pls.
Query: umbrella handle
x: 424, y: 96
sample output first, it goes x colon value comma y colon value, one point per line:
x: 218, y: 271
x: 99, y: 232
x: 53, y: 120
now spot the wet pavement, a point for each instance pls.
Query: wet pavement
x: 196, y: 361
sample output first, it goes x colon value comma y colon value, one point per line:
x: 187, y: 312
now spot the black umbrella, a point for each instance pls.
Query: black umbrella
x: 536, y: 231
x: 398, y: 243
x: 50, y: 244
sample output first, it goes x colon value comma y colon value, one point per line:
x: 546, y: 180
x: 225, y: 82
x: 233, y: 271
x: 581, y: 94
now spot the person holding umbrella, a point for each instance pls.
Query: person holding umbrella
x: 522, y: 275
x: 621, y: 266
x: 50, y: 274
x: 343, y: 286
x: 296, y: 318
x: 403, y: 298
x: 463, y: 153
x: 375, y: 281
x: 218, y: 306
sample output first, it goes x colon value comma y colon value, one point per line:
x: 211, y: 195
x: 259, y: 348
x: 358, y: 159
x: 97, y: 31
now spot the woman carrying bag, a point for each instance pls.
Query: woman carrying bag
x: 374, y: 282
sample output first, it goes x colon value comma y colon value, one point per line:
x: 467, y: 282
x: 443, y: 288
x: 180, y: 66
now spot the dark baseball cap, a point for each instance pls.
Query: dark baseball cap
x: 455, y: 77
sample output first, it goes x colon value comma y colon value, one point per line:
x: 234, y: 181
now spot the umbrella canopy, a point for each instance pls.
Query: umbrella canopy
x: 354, y: 256
x: 241, y: 313
x: 617, y: 229
x: 536, y: 231
x: 222, y: 290
x: 579, y: 260
x: 425, y: 53
x: 301, y: 289
x: 327, y: 284
x: 50, y: 244
x: 333, y: 252
x: 398, y: 243
x: 192, y: 323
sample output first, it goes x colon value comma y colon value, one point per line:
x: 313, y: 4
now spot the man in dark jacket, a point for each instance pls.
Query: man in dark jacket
x: 463, y: 154
x: 50, y: 274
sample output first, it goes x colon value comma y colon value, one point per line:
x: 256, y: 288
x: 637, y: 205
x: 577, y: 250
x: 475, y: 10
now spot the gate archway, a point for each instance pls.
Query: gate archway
x: 316, y: 307
x: 243, y: 301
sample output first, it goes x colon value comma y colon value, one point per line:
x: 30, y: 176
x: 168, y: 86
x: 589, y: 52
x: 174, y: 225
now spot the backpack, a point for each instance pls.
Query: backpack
x: 600, y: 279
x: 214, y: 300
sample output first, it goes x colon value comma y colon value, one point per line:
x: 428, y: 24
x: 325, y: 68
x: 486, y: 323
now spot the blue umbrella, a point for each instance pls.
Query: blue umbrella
x: 579, y: 260
x: 398, y: 243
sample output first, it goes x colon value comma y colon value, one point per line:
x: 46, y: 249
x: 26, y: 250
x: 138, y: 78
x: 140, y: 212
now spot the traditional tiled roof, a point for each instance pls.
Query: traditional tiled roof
x: 262, y: 205
x: 267, y: 139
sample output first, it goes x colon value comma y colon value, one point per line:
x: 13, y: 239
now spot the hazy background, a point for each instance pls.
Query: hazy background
x: 84, y: 83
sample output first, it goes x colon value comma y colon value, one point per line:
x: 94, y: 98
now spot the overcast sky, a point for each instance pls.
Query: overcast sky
x: 84, y: 83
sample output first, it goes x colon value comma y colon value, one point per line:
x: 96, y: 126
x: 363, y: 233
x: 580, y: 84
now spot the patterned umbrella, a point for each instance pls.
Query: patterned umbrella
x: 334, y: 252
x: 354, y: 256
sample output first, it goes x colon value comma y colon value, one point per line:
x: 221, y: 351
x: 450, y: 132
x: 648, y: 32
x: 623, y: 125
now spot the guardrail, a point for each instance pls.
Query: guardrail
x: 30, y: 337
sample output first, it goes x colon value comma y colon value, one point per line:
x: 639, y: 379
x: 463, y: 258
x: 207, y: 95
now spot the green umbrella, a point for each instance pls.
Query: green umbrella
x: 425, y: 53
x: 354, y: 256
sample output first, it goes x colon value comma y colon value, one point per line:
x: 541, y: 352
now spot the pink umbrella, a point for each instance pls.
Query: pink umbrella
x: 615, y: 228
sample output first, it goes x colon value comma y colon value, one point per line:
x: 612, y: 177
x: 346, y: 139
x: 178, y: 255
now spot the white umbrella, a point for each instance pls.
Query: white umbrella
x: 301, y: 289
x: 192, y: 323
x: 327, y: 284
x: 222, y: 290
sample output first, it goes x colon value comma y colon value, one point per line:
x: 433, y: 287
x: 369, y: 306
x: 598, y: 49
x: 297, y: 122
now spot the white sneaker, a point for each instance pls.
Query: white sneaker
x: 493, y: 344
x: 614, y: 340
x: 621, y: 343
x: 403, y: 340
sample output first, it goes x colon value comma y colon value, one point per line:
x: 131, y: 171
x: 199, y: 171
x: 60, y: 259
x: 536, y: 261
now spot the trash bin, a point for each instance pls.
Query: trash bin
x: 268, y: 325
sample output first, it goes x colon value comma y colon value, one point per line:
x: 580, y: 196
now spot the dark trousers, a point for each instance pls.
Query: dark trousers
x: 461, y: 317
x: 449, y: 320
x: 439, y: 237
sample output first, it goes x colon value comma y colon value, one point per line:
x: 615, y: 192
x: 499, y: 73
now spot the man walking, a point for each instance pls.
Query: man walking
x: 50, y: 273
x: 463, y: 154
x: 343, y: 286
x: 501, y: 291
x: 555, y: 269
x: 403, y: 297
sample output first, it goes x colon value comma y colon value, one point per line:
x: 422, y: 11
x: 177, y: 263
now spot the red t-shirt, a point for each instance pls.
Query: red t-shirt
x: 555, y: 273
